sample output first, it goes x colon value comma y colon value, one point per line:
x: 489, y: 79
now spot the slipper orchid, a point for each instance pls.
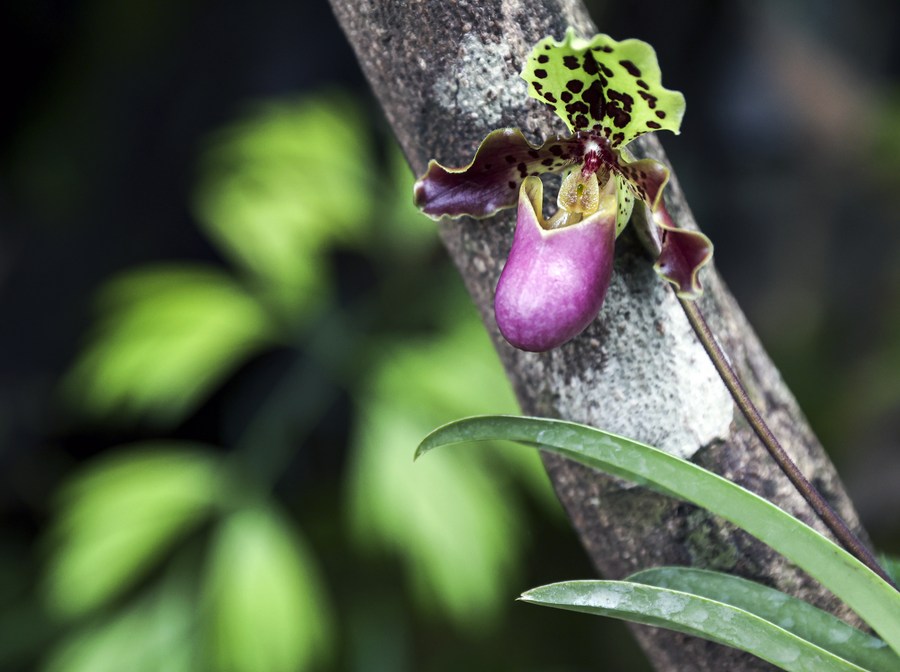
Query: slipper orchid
x: 608, y: 93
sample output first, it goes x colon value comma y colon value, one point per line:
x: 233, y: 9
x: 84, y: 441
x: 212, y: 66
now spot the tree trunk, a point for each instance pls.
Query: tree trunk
x: 446, y: 73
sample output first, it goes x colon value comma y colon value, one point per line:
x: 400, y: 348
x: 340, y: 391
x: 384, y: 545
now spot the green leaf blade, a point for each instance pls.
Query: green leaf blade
x: 692, y: 615
x: 871, y: 597
x: 794, y: 615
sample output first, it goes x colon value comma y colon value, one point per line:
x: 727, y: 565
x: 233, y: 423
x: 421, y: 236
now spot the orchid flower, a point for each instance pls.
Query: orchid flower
x: 553, y: 284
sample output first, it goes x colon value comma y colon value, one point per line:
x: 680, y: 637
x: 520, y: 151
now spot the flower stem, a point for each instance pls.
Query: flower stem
x: 822, y: 508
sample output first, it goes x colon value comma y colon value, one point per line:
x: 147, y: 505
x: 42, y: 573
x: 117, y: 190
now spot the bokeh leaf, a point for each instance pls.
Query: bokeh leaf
x: 891, y: 564
x: 265, y: 600
x: 281, y: 187
x: 122, y: 514
x: 166, y: 335
x: 403, y: 229
x: 458, y: 534
x: 692, y: 615
x: 154, y: 634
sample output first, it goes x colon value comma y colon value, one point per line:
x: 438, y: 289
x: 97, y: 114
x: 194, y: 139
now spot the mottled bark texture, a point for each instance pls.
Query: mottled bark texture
x: 446, y: 73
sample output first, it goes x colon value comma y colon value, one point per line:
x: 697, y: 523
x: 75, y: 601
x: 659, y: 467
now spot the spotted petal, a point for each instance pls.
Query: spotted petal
x: 613, y: 87
x: 625, y: 200
x: 491, y: 181
x: 683, y: 254
x: 646, y: 178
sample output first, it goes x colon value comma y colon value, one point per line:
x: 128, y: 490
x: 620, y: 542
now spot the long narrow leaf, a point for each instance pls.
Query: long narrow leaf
x: 692, y: 615
x: 864, y: 591
x: 794, y: 615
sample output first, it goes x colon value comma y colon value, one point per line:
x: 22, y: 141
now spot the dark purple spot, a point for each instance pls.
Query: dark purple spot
x: 617, y: 139
x: 512, y: 185
x: 566, y: 97
x: 556, y: 150
x: 549, y: 97
x: 590, y: 65
x: 631, y: 68
x: 581, y: 121
x: 510, y: 158
x: 626, y: 100
x: 537, y: 86
x: 547, y: 162
x: 533, y: 153
x: 618, y: 107
x: 570, y: 62
x: 577, y: 108
x: 619, y: 116
x: 488, y: 166
x: 607, y: 49
x: 574, y: 85
x: 651, y: 100
x: 660, y: 114
x: 641, y: 83
x: 594, y: 98
x: 653, y: 125
x: 606, y: 71
x: 543, y: 58
x: 540, y: 73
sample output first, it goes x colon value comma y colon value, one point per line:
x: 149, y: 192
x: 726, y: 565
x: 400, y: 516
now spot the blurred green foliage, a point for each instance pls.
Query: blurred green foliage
x: 165, y: 336
x: 190, y: 549
x: 123, y: 514
x: 282, y: 187
x: 263, y: 596
x: 451, y: 514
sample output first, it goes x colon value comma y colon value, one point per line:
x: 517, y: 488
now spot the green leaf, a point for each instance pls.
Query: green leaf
x: 613, y: 87
x: 120, y: 516
x: 166, y: 336
x: 794, y: 615
x: 865, y: 592
x: 459, y: 537
x: 154, y: 634
x: 692, y: 615
x: 281, y: 187
x: 265, y: 600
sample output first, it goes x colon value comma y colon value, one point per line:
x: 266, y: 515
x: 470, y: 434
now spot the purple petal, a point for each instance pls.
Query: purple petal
x: 554, y: 281
x: 683, y: 254
x: 491, y: 182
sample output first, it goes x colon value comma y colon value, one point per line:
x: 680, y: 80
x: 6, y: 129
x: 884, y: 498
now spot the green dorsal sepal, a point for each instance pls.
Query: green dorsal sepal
x: 604, y: 85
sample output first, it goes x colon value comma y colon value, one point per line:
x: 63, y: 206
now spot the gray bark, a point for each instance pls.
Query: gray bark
x: 446, y: 73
